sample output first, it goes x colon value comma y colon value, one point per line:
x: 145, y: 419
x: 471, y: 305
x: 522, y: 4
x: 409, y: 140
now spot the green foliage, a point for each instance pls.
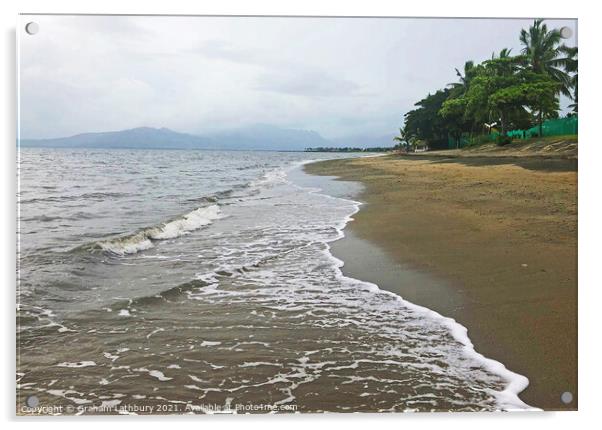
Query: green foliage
x: 571, y: 66
x: 401, y: 139
x: 480, y: 139
x: 546, y: 55
x: 514, y: 92
x: 502, y: 140
x: 425, y: 122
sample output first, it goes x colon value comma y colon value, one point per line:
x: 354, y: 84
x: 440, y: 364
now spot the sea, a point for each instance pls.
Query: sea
x: 185, y: 282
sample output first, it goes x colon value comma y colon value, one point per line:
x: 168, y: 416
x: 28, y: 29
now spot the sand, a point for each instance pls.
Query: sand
x: 488, y: 241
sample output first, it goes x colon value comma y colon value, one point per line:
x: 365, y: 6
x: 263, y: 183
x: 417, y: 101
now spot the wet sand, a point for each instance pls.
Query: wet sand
x: 488, y: 241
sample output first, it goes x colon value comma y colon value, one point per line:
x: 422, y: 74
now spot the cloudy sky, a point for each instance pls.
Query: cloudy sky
x: 340, y: 77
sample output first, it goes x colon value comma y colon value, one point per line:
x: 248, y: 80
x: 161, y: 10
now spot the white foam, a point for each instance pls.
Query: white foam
x: 154, y: 332
x: 195, y: 378
x: 143, y: 240
x: 110, y: 356
x: 159, y: 375
x: 508, y: 398
x: 258, y: 363
x: 210, y: 343
x: 189, y: 222
x: 109, y: 404
x: 154, y: 373
x: 270, y: 178
x: 130, y: 245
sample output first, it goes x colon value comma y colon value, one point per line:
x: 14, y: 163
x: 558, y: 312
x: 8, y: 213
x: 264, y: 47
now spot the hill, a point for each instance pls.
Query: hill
x: 259, y: 137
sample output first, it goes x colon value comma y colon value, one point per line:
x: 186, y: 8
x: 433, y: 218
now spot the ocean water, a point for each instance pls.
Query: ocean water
x: 202, y: 282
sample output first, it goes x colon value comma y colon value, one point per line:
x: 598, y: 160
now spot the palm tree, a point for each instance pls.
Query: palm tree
x: 504, y: 53
x: 545, y: 54
x: 572, y: 67
x: 402, y: 138
x: 500, y: 71
x: 504, y: 64
x: 465, y: 78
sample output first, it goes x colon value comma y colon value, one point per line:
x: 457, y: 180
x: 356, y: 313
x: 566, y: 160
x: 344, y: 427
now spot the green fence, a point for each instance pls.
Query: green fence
x: 466, y: 140
x: 551, y: 127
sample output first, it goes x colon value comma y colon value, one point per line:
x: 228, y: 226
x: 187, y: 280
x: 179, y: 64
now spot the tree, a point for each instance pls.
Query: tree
x: 490, y: 77
x: 544, y: 53
x: 503, y: 90
x: 533, y: 91
x: 402, y: 139
x: 513, y: 91
x: 504, y: 53
x: 459, y: 88
x: 571, y: 67
x: 425, y: 122
x: 453, y: 111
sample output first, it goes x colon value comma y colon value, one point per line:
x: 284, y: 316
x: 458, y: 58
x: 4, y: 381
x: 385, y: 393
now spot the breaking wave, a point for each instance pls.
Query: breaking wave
x: 145, y: 238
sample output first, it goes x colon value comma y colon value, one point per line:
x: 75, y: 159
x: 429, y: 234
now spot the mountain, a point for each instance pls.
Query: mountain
x: 257, y: 137
x: 268, y: 137
x: 365, y: 141
x: 142, y: 137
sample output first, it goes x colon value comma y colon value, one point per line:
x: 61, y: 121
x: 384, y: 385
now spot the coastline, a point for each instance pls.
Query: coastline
x: 490, y: 243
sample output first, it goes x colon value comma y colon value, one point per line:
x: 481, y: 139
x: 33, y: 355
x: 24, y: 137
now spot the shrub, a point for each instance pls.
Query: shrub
x: 502, y: 140
x: 479, y: 140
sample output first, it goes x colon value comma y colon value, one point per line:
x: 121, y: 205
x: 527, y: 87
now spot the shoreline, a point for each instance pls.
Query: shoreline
x: 421, y: 241
x: 354, y: 248
x: 508, y: 399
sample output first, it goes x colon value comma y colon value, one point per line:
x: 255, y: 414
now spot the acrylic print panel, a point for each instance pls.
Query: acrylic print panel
x: 279, y: 214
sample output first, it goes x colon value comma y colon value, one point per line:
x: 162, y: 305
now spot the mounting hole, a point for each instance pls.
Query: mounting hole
x: 32, y: 28
x: 566, y: 32
x: 566, y: 397
x: 32, y: 401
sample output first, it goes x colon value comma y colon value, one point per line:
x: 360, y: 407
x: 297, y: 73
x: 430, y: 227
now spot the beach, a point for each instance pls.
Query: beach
x: 489, y: 240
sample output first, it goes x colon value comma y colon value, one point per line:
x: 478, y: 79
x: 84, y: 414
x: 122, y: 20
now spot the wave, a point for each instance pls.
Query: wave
x: 145, y: 238
x: 98, y: 196
x: 221, y: 196
x: 169, y: 295
x: 213, y: 198
x: 49, y: 218
x: 270, y: 178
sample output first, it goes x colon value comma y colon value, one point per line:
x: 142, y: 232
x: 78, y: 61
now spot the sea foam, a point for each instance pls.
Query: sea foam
x: 143, y: 239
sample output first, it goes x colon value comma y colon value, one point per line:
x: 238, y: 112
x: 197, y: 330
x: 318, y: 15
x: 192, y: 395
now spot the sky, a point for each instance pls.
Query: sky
x: 342, y: 77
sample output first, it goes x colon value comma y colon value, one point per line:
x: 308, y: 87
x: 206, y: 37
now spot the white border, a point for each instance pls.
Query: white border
x: 589, y: 192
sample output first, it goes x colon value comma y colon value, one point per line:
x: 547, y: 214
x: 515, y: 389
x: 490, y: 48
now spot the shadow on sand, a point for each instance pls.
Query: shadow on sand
x: 537, y: 163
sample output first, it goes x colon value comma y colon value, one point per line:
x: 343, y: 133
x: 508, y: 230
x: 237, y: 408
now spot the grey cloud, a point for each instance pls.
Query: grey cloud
x: 287, y: 77
x: 312, y: 84
x: 192, y: 74
x: 222, y: 50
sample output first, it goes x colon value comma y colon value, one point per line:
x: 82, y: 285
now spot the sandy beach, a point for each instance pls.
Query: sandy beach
x: 490, y: 241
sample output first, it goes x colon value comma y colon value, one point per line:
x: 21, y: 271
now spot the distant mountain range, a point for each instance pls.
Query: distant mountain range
x: 365, y: 141
x: 143, y: 137
x: 256, y: 137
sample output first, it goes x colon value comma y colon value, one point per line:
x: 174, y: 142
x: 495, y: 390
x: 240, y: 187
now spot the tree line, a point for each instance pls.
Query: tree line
x: 348, y: 149
x: 507, y: 92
